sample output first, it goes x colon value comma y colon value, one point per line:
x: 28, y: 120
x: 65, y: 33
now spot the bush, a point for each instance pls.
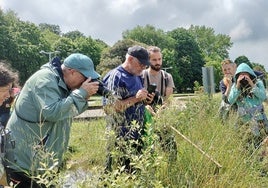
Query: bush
x: 192, y: 167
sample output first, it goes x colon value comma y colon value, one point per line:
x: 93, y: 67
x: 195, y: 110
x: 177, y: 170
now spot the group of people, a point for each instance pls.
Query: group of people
x: 42, y: 114
x: 243, y: 93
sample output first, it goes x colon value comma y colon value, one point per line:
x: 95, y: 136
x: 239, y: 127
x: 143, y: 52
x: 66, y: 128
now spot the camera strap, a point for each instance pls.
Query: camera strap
x: 164, y: 81
x: 56, y: 64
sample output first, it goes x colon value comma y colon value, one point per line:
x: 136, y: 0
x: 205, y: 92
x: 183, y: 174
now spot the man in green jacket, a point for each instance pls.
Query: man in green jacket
x: 41, y: 120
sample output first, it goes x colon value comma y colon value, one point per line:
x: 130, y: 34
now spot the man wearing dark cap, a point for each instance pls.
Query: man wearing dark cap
x: 125, y: 114
x: 42, y: 116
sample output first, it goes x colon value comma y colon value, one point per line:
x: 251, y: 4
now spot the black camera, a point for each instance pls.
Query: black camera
x: 103, y: 91
x: 244, y: 82
x: 151, y: 88
x: 158, y: 100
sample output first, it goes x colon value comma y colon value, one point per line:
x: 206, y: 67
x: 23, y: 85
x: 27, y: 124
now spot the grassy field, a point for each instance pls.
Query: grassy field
x: 206, y: 145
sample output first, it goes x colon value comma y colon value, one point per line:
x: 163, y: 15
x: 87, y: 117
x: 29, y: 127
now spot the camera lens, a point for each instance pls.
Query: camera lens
x: 244, y: 82
x: 103, y: 91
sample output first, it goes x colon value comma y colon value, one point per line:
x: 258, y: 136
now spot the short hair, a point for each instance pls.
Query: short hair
x: 7, y: 75
x: 227, y: 61
x: 153, y: 49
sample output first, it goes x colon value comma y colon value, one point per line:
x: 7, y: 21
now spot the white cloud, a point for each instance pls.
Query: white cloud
x: 124, y: 7
x: 244, y: 20
x: 241, y: 31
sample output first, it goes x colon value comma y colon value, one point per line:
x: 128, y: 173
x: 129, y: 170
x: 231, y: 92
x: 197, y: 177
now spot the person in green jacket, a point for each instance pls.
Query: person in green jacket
x: 41, y: 119
x: 248, y: 92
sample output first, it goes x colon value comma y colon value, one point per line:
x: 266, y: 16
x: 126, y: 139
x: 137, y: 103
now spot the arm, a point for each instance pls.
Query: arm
x: 170, y: 86
x: 169, y: 91
x: 55, y: 104
x: 141, y: 95
x: 259, y: 90
x: 233, y: 95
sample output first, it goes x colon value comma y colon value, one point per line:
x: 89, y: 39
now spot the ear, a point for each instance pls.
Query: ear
x: 130, y: 58
x: 71, y: 71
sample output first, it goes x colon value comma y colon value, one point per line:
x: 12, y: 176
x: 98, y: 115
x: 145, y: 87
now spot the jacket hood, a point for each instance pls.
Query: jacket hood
x: 243, y: 67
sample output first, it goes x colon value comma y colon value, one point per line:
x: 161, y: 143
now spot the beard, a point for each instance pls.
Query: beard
x: 156, y: 67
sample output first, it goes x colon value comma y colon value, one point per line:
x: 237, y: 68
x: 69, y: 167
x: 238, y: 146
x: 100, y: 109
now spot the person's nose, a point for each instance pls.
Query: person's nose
x: 7, y: 94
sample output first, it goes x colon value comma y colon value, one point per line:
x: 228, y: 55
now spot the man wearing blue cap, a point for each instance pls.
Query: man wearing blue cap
x: 126, y: 114
x: 42, y: 116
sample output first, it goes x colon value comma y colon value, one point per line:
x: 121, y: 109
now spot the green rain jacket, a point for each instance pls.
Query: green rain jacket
x: 249, y: 106
x: 41, y: 120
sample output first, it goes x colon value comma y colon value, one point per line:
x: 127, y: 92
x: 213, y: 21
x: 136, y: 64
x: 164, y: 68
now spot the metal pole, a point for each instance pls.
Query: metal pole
x: 199, y: 149
x: 166, y: 68
x: 49, y: 54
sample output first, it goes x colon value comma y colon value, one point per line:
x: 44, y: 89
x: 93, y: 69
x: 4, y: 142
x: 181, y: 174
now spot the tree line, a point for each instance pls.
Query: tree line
x: 185, y: 51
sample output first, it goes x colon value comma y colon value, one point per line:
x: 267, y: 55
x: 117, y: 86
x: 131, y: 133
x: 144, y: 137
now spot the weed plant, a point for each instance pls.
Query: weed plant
x: 199, y: 123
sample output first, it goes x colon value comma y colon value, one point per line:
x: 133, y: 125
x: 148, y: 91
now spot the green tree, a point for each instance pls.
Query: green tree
x: 66, y: 47
x: 114, y: 56
x: 22, y: 46
x: 50, y: 38
x: 73, y: 34
x: 188, y: 59
x: 4, y: 36
x: 258, y: 67
x: 213, y: 46
x: 102, y: 44
x: 169, y: 61
x: 149, y: 35
x: 50, y: 27
x: 89, y: 47
x: 243, y: 59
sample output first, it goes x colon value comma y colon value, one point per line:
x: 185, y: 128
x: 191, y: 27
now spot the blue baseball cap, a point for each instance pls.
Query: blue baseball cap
x: 82, y: 64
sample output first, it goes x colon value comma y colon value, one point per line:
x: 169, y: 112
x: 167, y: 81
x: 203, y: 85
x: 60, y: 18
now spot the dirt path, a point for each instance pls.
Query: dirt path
x: 98, y: 112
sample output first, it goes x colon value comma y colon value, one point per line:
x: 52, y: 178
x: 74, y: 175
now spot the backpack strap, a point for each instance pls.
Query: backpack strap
x: 164, y: 78
x: 162, y: 84
x: 147, y: 77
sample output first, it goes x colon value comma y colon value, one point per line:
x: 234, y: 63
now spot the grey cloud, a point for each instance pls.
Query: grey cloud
x: 245, y: 20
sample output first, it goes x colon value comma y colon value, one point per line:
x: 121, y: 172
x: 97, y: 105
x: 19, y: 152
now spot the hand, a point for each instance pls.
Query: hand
x: 150, y: 98
x: 227, y: 80
x: 250, y: 82
x: 141, y: 94
x: 90, y: 87
x: 246, y: 77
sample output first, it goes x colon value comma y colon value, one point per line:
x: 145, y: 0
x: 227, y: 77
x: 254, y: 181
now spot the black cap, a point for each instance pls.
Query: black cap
x: 140, y: 53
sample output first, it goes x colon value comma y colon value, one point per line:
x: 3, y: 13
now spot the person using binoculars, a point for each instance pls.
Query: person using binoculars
x: 248, y: 92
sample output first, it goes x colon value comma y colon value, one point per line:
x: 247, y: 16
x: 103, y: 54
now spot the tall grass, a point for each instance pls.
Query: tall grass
x: 200, y: 123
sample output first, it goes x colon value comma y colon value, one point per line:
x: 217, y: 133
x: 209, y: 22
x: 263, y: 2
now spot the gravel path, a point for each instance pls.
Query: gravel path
x: 91, y: 113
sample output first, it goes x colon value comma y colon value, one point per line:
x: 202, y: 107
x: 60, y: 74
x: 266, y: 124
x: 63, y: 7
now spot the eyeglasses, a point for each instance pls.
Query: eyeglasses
x: 140, y: 64
x: 79, y: 73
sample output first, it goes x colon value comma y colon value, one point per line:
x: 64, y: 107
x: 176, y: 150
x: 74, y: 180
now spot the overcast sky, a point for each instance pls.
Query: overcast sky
x: 246, y: 21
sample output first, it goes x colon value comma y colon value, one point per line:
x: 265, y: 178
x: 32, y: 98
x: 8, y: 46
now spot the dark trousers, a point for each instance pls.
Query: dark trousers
x: 122, y: 159
x: 21, y: 180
